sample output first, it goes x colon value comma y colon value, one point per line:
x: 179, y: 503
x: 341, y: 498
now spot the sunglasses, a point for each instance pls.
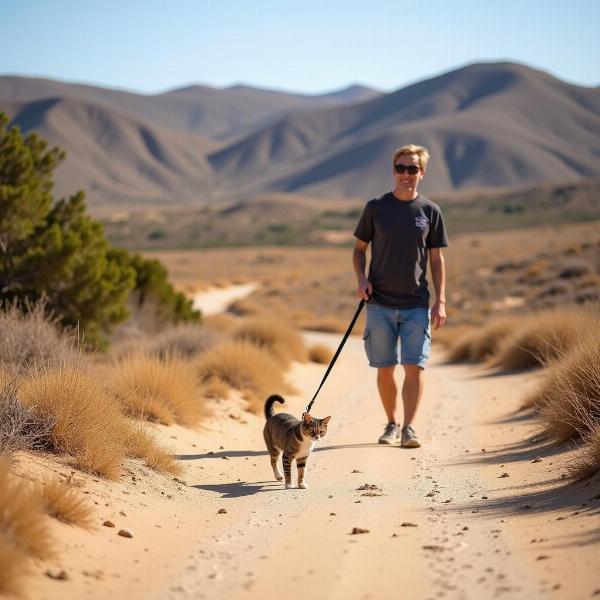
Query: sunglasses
x: 412, y: 169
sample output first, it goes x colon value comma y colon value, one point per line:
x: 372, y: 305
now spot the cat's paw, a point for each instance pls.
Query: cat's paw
x: 303, y: 486
x: 279, y: 476
x: 288, y: 486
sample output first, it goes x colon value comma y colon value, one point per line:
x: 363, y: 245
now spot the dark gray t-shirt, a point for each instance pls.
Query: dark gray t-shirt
x: 401, y: 232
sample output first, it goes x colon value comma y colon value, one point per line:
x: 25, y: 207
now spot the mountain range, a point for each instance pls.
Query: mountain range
x: 486, y: 125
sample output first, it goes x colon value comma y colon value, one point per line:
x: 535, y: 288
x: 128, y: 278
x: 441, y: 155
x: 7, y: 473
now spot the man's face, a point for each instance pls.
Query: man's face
x: 407, y: 180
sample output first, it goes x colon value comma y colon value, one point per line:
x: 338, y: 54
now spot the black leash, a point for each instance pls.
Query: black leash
x: 335, y: 356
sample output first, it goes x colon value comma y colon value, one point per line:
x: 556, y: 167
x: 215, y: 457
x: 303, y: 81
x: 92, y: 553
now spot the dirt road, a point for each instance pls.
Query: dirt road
x: 478, y: 512
x: 443, y: 522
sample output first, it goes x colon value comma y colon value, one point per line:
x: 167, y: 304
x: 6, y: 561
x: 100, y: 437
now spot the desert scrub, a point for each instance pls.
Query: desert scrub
x: 142, y: 444
x: 63, y: 502
x: 21, y: 428
x: 587, y: 460
x: 281, y: 340
x: 243, y: 366
x: 88, y: 424
x: 479, y: 344
x: 29, y: 338
x: 319, y: 353
x: 540, y: 338
x: 184, y: 341
x: 568, y: 399
x: 165, y: 391
x: 23, y: 530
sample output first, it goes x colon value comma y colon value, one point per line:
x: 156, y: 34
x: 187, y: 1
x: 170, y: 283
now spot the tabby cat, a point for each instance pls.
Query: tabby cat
x: 293, y: 437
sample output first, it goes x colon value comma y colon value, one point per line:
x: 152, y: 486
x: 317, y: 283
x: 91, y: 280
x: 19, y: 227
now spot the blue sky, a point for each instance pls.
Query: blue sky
x: 307, y: 46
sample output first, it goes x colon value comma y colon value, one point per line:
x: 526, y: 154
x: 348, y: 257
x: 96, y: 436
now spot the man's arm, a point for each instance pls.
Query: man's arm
x: 359, y: 261
x: 438, y: 274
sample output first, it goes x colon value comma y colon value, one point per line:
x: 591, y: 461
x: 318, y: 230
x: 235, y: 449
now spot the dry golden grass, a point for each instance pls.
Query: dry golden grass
x: 244, y: 367
x: 65, y: 503
x: 142, y: 444
x: 165, y: 391
x: 319, y: 353
x: 183, y: 341
x: 13, y: 568
x: 540, y: 338
x: 587, y: 460
x: 326, y: 324
x: 479, y: 344
x: 568, y: 399
x: 23, y: 525
x: 221, y: 322
x: 88, y: 424
x: 281, y: 340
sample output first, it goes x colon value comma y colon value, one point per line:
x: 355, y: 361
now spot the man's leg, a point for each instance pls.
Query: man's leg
x: 412, y: 392
x: 387, y: 392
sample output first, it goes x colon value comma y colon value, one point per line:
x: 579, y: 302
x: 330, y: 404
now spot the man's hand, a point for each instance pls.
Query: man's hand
x: 365, y: 289
x: 438, y: 314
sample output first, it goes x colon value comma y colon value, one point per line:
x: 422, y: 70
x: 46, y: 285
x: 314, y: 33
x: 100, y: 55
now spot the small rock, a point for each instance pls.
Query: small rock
x: 122, y: 513
x: 537, y: 459
x: 332, y: 514
x: 368, y: 486
x: 222, y: 511
x: 355, y: 471
x: 394, y: 535
x: 542, y: 557
x: 505, y: 474
x: 58, y: 574
x: 433, y: 548
x: 407, y: 524
x: 108, y: 524
x: 225, y: 457
x: 357, y: 530
x: 484, y: 497
x: 126, y: 533
x: 465, y: 528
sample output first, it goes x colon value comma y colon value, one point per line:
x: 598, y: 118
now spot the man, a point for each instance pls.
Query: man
x: 405, y: 229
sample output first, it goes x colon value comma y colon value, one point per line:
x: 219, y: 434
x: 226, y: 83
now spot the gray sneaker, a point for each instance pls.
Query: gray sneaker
x: 409, y: 438
x: 390, y: 435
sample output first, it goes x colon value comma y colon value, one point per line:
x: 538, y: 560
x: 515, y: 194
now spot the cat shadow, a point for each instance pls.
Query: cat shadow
x: 241, y: 488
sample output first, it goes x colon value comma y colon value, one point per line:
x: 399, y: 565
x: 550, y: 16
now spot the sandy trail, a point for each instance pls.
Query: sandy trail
x: 216, y: 300
x: 475, y: 535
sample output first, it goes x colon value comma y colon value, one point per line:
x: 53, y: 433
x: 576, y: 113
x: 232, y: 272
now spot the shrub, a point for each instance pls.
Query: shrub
x: 88, y: 425
x: 282, y: 341
x: 13, y: 568
x: 478, y: 344
x: 319, y: 353
x: 142, y: 444
x: 327, y: 324
x: 164, y: 391
x: 29, y: 338
x: 568, y: 400
x: 587, y: 460
x: 23, y: 526
x: 20, y: 427
x: 538, y: 339
x: 66, y: 504
x: 184, y: 341
x: 244, y: 367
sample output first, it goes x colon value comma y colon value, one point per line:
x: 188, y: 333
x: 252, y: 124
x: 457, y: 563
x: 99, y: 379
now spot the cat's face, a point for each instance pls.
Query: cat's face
x: 314, y: 428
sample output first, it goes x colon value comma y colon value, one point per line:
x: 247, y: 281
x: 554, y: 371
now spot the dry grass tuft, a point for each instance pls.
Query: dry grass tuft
x: 587, y: 460
x: 88, y: 424
x: 282, y: 341
x: 30, y: 338
x: 568, y: 400
x: 479, y: 344
x: 244, y: 367
x: 20, y: 427
x: 65, y: 503
x: 13, y: 568
x: 184, y: 341
x: 155, y: 390
x: 23, y: 525
x: 541, y: 338
x: 319, y: 353
x: 221, y: 322
x: 142, y: 444
x: 327, y: 324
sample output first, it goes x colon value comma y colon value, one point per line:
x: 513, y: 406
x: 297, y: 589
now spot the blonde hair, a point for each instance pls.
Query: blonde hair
x: 420, y: 151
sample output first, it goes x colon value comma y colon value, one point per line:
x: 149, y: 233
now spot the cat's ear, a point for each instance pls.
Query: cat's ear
x: 326, y: 420
x: 307, y: 418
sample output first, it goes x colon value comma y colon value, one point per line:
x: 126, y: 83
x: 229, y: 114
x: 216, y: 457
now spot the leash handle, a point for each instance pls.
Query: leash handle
x: 335, y: 356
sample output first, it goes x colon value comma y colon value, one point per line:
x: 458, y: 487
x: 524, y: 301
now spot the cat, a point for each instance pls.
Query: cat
x: 293, y: 437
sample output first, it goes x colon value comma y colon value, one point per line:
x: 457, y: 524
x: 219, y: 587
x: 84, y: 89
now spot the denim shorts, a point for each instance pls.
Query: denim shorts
x: 397, y: 335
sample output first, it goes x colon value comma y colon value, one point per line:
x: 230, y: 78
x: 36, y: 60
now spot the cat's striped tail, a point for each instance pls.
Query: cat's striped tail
x: 269, y: 404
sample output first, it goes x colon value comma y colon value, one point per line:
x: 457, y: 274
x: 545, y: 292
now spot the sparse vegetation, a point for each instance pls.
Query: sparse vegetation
x: 164, y: 391
x: 142, y: 444
x: 319, y: 353
x: 243, y: 366
x: 65, y: 503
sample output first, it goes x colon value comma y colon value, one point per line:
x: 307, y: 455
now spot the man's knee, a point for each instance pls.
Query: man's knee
x: 413, y: 371
x: 386, y: 372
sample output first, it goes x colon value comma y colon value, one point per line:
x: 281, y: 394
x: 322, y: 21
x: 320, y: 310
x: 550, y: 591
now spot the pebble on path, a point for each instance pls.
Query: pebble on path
x: 108, y: 524
x: 357, y: 530
x: 58, y: 574
x: 222, y: 511
x: 126, y: 533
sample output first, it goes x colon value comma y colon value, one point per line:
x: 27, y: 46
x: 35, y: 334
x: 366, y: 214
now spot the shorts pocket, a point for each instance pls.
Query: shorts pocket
x: 367, y: 341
